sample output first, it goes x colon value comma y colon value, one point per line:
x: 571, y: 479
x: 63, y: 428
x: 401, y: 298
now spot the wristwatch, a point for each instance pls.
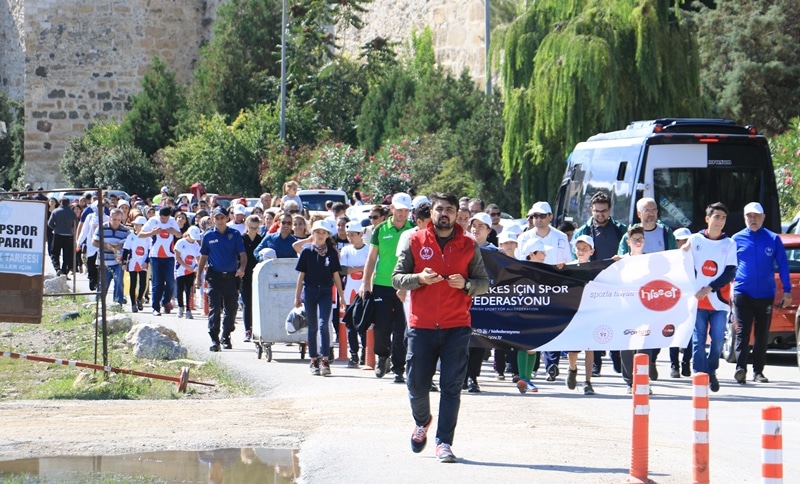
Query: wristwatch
x: 467, y: 285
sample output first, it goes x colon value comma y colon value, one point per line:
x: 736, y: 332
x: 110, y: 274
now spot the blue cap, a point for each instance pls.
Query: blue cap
x: 219, y: 211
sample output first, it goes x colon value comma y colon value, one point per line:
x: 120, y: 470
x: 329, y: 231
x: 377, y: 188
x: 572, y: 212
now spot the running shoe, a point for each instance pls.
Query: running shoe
x: 572, y: 379
x: 445, y: 454
x: 587, y: 389
x: 314, y: 367
x: 420, y: 436
x: 325, y: 368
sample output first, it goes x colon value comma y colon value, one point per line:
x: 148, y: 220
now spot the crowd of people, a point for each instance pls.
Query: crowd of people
x: 420, y: 293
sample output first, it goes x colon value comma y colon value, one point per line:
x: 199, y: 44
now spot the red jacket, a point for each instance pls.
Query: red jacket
x: 439, y: 306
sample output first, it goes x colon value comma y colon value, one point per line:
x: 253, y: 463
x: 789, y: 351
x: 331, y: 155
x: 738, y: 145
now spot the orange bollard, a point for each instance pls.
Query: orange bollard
x: 640, y: 435
x: 369, y: 359
x: 700, y: 471
x: 342, y: 341
x: 771, y: 446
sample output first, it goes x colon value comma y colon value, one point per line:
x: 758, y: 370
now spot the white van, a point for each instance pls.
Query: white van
x: 684, y: 164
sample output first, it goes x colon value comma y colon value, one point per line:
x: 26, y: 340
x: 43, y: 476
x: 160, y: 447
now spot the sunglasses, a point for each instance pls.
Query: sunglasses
x: 495, y: 214
x: 637, y: 240
x: 537, y: 215
x: 286, y: 223
x: 374, y: 217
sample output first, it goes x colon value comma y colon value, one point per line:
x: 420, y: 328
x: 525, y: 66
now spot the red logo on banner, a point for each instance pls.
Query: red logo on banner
x: 140, y: 251
x: 668, y: 331
x: 163, y: 233
x: 709, y: 268
x: 189, y: 259
x: 659, y: 295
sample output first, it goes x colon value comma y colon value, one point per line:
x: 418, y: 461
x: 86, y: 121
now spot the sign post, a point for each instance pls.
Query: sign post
x: 22, y: 246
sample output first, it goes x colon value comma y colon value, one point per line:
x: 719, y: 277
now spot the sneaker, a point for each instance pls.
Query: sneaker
x: 474, y: 387
x: 314, y: 367
x: 740, y: 375
x: 587, y: 389
x: 248, y: 335
x: 653, y: 371
x: 382, y: 367
x: 686, y: 369
x: 674, y: 373
x: 572, y: 379
x: 140, y: 304
x: 188, y: 315
x: 515, y: 378
x: 501, y: 377
x: 352, y: 363
x: 595, y: 372
x: 134, y: 309
x: 226, y: 343
x: 180, y: 312
x: 522, y: 386
x: 713, y: 383
x: 168, y: 307
x: 434, y: 388
x: 552, y: 373
x: 760, y: 378
x: 399, y: 379
x: 445, y: 454
x: 214, y: 347
x: 420, y: 436
x: 629, y: 390
x: 156, y: 312
x: 531, y: 387
x: 325, y: 368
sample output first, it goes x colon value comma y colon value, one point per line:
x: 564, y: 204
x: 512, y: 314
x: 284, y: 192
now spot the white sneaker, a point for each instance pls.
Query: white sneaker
x: 180, y: 312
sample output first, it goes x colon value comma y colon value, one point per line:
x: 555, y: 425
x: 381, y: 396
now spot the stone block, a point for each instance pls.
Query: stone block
x: 44, y: 126
x: 58, y: 115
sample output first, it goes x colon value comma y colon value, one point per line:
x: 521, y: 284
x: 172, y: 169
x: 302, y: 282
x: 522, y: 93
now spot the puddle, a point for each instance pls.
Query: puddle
x: 240, y: 466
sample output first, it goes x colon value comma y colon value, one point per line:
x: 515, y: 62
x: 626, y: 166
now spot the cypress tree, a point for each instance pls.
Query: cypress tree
x: 573, y: 68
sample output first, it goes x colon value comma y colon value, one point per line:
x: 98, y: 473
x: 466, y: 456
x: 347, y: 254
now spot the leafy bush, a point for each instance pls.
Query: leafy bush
x: 11, y: 147
x: 337, y: 167
x: 388, y: 171
x: 786, y: 159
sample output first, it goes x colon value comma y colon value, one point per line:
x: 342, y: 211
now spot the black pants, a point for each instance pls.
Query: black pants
x: 626, y: 360
x: 223, y: 296
x: 91, y: 272
x: 138, y: 280
x: 474, y: 363
x: 754, y: 315
x: 390, y: 327
x: 674, y: 355
x: 185, y: 287
x: 247, y: 301
x: 63, y: 248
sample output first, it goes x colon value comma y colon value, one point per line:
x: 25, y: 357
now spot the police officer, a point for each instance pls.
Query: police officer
x: 223, y: 249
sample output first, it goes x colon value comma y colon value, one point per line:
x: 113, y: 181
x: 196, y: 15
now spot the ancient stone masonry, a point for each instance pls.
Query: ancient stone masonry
x: 74, y: 62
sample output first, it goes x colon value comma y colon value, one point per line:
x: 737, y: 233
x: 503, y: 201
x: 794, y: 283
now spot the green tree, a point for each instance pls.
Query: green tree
x: 750, y: 55
x: 11, y: 142
x: 578, y: 67
x: 785, y: 149
x: 156, y: 111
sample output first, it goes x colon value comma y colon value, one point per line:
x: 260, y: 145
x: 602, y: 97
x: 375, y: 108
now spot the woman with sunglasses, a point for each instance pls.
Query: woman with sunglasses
x: 252, y: 238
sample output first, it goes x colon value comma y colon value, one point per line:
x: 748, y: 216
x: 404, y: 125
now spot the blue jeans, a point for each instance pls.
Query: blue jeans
x: 317, y: 303
x: 162, y: 273
x: 116, y: 273
x: 425, y: 347
x: 713, y: 323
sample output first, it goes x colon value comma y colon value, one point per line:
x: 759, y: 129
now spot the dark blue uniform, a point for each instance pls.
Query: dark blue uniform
x: 223, y: 251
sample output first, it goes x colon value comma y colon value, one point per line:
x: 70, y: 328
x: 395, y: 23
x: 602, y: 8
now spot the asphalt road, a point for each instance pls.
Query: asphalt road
x: 356, y: 428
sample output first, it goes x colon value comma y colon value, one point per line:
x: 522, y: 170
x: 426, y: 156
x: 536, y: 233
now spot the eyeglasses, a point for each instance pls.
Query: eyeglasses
x: 600, y: 211
x: 374, y: 217
x: 286, y: 222
x: 537, y: 215
x: 650, y: 210
x: 637, y: 240
x: 495, y: 214
x: 294, y: 211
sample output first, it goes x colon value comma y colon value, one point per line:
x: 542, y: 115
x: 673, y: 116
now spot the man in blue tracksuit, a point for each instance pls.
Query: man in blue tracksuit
x: 758, y: 251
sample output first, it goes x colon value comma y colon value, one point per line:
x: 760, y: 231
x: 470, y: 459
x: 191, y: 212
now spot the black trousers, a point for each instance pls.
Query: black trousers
x: 63, y: 248
x: 247, y: 301
x: 390, y: 327
x: 474, y: 363
x: 626, y: 359
x: 138, y: 285
x: 752, y: 315
x: 185, y: 287
x: 91, y: 272
x: 223, y: 297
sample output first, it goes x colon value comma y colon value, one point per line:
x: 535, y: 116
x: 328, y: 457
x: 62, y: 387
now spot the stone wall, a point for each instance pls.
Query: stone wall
x: 458, y: 30
x: 77, y: 61
x: 86, y: 57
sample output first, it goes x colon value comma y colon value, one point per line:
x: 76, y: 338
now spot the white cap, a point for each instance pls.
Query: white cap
x: 354, y: 226
x: 506, y: 236
x: 195, y: 233
x: 540, y: 207
x: 584, y: 238
x: 682, y: 233
x: 164, y: 189
x: 754, y: 207
x: 419, y: 201
x: 140, y: 220
x: 401, y: 201
x: 122, y: 202
x: 320, y: 225
x: 239, y: 210
x: 533, y: 245
x: 267, y: 253
x: 482, y: 217
x: 512, y: 229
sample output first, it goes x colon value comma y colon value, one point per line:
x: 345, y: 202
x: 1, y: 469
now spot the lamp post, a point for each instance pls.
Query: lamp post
x: 488, y: 41
x: 283, y: 72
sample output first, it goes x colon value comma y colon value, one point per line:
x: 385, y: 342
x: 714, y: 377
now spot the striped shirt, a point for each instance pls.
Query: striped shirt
x: 113, y: 237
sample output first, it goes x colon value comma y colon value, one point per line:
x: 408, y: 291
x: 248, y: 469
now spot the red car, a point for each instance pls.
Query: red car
x: 784, y: 330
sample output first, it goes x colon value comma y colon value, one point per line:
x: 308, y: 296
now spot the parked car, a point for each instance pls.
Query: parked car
x: 784, y: 329
x: 314, y: 200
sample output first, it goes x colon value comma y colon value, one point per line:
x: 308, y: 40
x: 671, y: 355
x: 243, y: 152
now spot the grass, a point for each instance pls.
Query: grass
x: 74, y: 339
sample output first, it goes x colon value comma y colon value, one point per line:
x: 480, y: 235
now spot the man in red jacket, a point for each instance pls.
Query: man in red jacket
x: 443, y: 269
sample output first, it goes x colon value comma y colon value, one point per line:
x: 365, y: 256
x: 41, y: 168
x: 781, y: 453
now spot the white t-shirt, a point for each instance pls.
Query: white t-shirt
x: 352, y: 257
x: 190, y: 252
x: 242, y: 227
x: 140, y: 248
x: 557, y: 241
x: 710, y: 259
x: 163, y: 239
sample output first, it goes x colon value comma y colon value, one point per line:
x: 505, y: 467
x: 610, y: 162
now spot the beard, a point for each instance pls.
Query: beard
x: 444, y: 223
